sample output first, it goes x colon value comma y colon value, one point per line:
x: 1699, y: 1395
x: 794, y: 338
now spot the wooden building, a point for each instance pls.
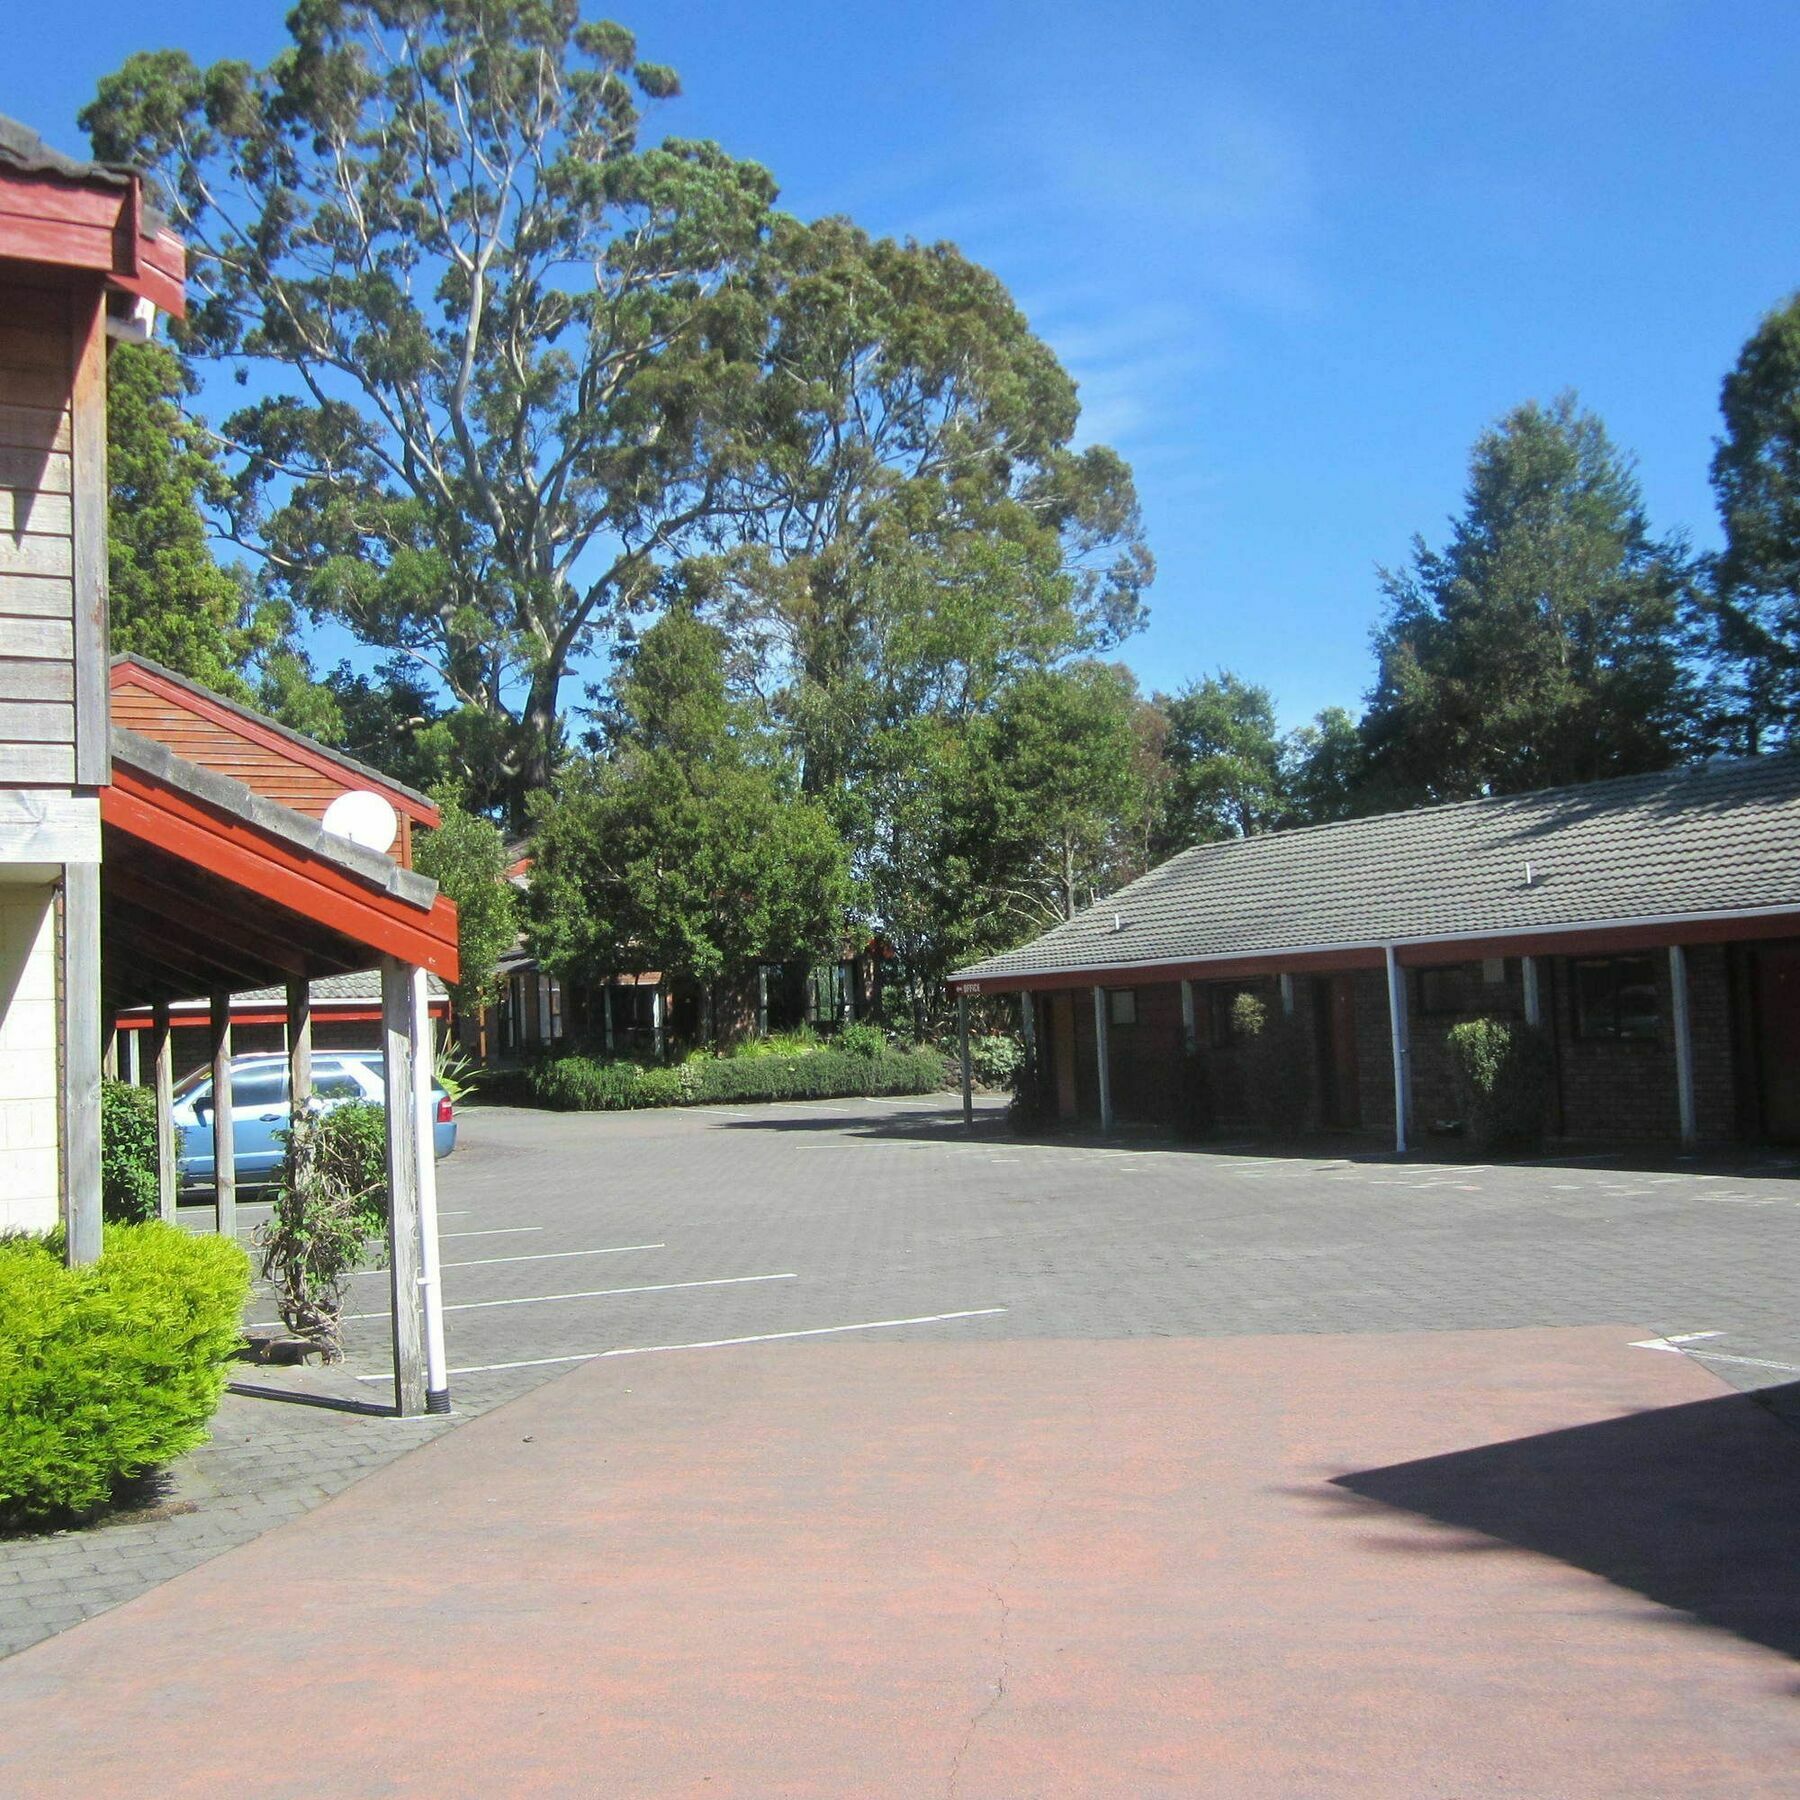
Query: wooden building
x: 1650, y: 925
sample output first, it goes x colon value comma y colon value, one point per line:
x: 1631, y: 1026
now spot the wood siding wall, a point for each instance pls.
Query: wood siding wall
x: 37, y: 537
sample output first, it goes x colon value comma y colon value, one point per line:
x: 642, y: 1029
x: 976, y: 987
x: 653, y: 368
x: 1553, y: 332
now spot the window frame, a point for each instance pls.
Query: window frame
x: 1586, y: 1020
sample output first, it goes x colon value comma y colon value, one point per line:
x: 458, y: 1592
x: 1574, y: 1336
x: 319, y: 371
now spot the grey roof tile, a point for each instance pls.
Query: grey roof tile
x: 1721, y: 836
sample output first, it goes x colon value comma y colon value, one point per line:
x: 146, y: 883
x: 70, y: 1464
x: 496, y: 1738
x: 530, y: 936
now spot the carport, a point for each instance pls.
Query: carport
x: 208, y: 888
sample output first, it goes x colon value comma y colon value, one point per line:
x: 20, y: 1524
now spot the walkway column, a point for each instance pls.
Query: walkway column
x: 762, y: 1000
x: 962, y: 1046
x: 162, y: 1076
x: 606, y: 999
x: 656, y: 1018
x: 224, y: 1138
x: 299, y: 1042
x: 431, y: 1281
x: 132, y: 1064
x: 1028, y: 1022
x: 398, y: 1050
x: 1285, y: 986
x: 1401, y: 1045
x: 1684, y: 1047
x: 1528, y: 979
x: 80, y: 957
x: 1103, y: 1058
x: 1190, y: 1035
x: 109, y: 1052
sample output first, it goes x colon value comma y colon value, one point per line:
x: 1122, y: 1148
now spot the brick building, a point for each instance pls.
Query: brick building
x: 1650, y: 924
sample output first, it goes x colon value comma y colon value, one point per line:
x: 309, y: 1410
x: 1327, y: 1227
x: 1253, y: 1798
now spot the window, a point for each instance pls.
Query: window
x: 1616, y: 997
x: 335, y: 1082
x: 1121, y: 1006
x: 252, y: 1088
x: 1444, y: 992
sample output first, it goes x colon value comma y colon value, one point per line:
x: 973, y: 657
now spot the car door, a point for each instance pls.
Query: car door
x: 259, y: 1115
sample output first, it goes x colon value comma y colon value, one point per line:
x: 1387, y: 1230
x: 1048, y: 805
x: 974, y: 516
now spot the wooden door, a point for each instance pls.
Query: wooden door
x: 1334, y: 1012
x: 1062, y: 1052
x: 1778, y: 1032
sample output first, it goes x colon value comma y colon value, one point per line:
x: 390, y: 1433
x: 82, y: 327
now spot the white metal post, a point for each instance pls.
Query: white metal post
x: 132, y: 1061
x: 399, y: 1028
x: 1190, y: 1035
x: 1103, y: 1058
x: 656, y: 1018
x: 1398, y: 1038
x: 762, y: 1000
x: 162, y: 1074
x: 607, y: 1005
x: 1528, y: 977
x: 1285, y: 983
x: 968, y: 1073
x: 1028, y: 1021
x: 223, y: 1125
x: 1684, y: 1047
x: 431, y: 1282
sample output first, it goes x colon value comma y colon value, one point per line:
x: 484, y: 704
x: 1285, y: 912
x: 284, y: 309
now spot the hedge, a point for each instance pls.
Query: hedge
x: 110, y: 1369
x: 578, y: 1084
x: 129, y: 1187
x: 1506, y: 1075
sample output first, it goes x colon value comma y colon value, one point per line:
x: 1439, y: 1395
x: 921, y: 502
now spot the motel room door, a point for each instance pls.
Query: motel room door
x: 1334, y: 1013
x: 1062, y: 1052
x: 1778, y: 1032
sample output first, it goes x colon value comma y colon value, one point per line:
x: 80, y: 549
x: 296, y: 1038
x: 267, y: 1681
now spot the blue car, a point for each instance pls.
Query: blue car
x: 259, y: 1111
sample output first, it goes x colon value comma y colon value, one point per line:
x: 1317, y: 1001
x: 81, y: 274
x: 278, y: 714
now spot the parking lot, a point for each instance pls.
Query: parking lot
x: 1234, y: 1471
x: 572, y: 1235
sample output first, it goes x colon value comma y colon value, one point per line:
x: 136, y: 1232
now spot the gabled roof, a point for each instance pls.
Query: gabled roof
x: 1719, y: 838
x: 268, y: 734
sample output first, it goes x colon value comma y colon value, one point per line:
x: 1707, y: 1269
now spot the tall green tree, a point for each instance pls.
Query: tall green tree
x: 1545, y: 643
x: 169, y: 598
x: 913, y: 524
x: 1227, y: 764
x: 1755, y: 636
x: 497, y: 338
x: 687, y: 847
x: 1325, y: 774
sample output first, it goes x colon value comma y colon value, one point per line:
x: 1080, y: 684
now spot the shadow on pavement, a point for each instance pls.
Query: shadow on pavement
x: 992, y: 1126
x: 1695, y: 1507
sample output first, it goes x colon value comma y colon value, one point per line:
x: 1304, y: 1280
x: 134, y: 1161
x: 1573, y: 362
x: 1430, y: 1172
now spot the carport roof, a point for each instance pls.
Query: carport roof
x: 208, y: 886
x: 1717, y: 840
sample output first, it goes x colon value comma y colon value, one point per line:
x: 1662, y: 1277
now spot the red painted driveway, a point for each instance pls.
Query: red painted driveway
x: 1529, y: 1563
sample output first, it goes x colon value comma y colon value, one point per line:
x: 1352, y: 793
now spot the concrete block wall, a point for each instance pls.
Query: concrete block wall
x: 30, y: 1186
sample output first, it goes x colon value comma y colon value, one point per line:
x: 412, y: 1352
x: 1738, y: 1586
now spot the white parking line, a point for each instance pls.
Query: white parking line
x: 489, y: 1262
x: 767, y: 1337
x: 495, y: 1231
x: 656, y: 1287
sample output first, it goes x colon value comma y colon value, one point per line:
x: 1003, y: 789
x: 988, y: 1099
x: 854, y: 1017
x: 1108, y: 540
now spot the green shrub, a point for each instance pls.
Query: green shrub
x: 1029, y: 1108
x: 862, y: 1040
x: 993, y: 1058
x: 1507, y: 1079
x: 110, y: 1369
x: 129, y: 1190
x: 329, y: 1206
x: 579, y: 1084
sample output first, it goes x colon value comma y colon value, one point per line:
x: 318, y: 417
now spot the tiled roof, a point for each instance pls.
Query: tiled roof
x: 331, y: 990
x: 1719, y: 837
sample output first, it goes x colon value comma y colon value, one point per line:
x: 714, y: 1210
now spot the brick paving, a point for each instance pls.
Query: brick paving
x: 805, y: 1219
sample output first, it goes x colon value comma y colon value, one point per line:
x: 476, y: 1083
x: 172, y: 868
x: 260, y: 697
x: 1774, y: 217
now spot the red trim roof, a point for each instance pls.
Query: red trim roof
x: 281, y: 871
x: 99, y: 225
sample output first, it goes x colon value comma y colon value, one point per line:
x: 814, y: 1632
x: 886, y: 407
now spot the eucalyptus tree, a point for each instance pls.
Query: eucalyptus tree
x: 494, y: 341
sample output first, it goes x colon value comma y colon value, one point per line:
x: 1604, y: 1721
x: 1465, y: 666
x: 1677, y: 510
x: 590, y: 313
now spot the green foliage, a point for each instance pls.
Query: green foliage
x: 129, y: 1187
x: 686, y: 849
x: 466, y: 856
x: 1543, y: 646
x: 331, y: 1200
x: 168, y: 599
x: 112, y: 1369
x: 580, y: 1084
x: 1249, y: 1015
x: 448, y: 426
x: 994, y: 1058
x: 1226, y: 761
x: 862, y: 1040
x: 1755, y: 624
x: 1029, y: 1109
x: 1506, y: 1074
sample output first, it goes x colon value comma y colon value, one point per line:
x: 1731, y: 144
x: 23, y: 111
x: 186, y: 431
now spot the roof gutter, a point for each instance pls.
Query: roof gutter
x: 1379, y: 947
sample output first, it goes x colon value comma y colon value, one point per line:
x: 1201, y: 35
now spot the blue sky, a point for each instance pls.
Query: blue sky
x: 1297, y: 255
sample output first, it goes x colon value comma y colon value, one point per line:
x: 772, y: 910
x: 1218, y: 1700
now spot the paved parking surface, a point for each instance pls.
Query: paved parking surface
x: 568, y: 1238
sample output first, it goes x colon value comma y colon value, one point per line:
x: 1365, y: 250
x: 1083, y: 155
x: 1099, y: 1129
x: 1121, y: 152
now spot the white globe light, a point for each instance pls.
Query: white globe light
x: 364, y: 818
